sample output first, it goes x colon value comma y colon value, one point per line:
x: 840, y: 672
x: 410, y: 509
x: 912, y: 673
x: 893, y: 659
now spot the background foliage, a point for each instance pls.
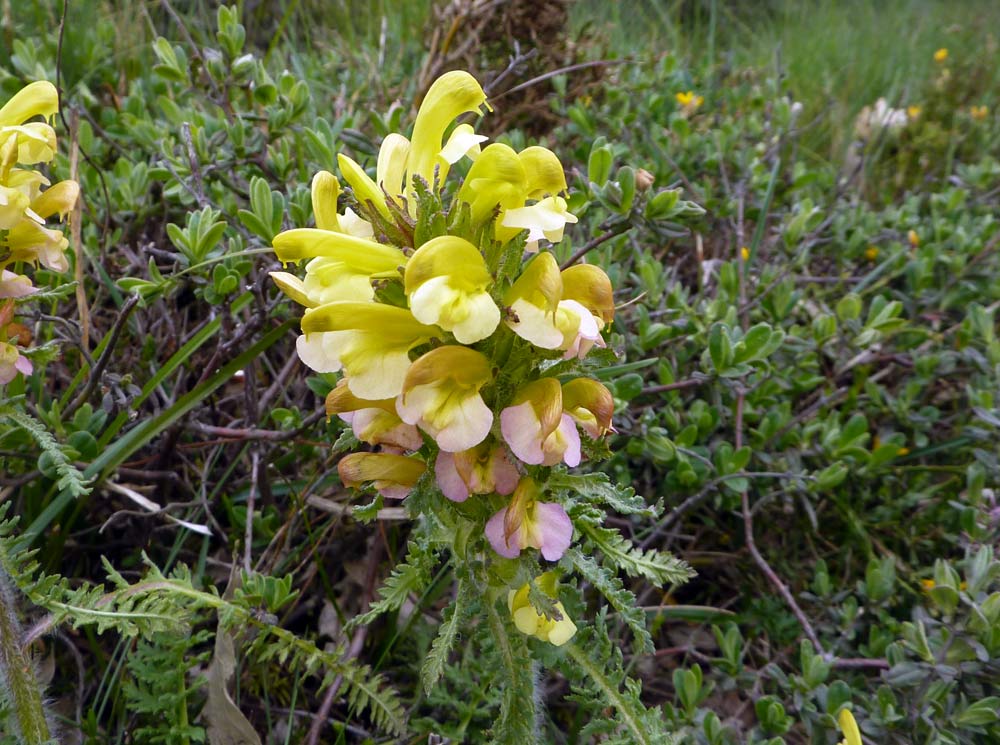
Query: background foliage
x: 817, y: 414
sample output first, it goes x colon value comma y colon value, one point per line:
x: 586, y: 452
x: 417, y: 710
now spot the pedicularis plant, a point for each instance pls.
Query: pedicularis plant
x: 468, y: 361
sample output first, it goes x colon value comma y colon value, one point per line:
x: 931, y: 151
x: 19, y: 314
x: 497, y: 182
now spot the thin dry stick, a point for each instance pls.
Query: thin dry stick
x: 104, y: 359
x: 251, y: 498
x: 594, y: 243
x: 761, y: 562
x: 74, y: 234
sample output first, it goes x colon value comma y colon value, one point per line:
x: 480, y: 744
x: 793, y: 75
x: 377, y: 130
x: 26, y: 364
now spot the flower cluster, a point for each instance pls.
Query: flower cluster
x: 26, y: 201
x: 446, y: 322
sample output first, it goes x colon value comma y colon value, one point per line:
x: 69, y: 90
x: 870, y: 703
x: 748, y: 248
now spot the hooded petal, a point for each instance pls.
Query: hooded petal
x: 590, y: 286
x: 293, y: 287
x: 365, y: 255
x: 365, y: 190
x: 451, y: 95
x: 393, y: 475
x: 58, y: 199
x: 325, y: 192
x: 497, y: 178
x: 544, y: 171
x: 371, y: 341
x: 35, y: 99
x: 390, y: 170
x: 533, y: 416
x: 447, y: 283
x: 590, y: 404
x: 507, y: 546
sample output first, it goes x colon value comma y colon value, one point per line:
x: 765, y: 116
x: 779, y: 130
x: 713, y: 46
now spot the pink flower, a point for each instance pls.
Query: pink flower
x: 536, y: 428
x: 12, y: 362
x: 480, y: 470
x: 528, y: 523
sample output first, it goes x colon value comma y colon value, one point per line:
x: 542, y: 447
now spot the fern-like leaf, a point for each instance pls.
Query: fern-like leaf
x: 454, y: 617
x: 659, y: 568
x: 412, y: 575
x: 70, y: 479
x: 621, y: 599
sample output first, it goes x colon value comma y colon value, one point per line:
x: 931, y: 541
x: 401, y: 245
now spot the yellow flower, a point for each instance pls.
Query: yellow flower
x: 871, y: 253
x: 941, y: 55
x: 369, y: 341
x: 928, y: 583
x: 913, y: 238
x: 441, y: 396
x: 529, y: 621
x: 852, y: 735
x: 913, y: 111
x: 447, y: 284
x: 745, y: 253
x: 373, y: 422
x: 979, y: 113
x: 903, y: 451
x: 689, y: 101
x: 590, y: 404
x: 34, y: 142
x: 533, y: 300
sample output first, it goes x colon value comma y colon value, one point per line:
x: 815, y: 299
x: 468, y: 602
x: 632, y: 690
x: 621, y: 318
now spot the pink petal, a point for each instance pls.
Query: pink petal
x: 522, y: 432
x: 24, y: 365
x: 554, y: 527
x: 568, y: 428
x: 495, y: 535
x: 449, y: 480
x: 505, y: 475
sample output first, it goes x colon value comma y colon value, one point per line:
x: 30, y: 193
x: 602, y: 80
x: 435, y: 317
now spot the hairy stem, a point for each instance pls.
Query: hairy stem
x: 17, y: 674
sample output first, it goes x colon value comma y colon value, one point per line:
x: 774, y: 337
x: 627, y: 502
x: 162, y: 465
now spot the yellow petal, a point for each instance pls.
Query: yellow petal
x: 358, y: 468
x: 591, y: 287
x: 341, y: 401
x: 453, y: 94
x: 460, y: 366
x: 449, y: 256
x: 544, y: 171
x: 293, y: 287
x: 365, y: 190
x: 540, y: 283
x: 389, y: 321
x: 325, y: 191
x: 852, y: 735
x: 497, y: 177
x: 362, y: 254
x: 36, y: 99
x: 590, y: 403
x: 58, y: 199
x: 390, y: 170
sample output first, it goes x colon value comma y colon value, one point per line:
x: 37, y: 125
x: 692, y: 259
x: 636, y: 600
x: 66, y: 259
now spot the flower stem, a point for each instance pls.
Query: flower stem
x: 17, y: 674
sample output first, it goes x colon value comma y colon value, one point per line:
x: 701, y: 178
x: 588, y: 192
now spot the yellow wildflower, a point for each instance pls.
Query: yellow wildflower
x: 745, y: 253
x: 852, y: 735
x: 928, y: 584
x: 979, y: 113
x: 913, y: 238
x: 913, y: 111
x: 689, y: 100
x: 941, y: 55
x: 871, y: 253
x: 529, y: 621
x: 903, y: 451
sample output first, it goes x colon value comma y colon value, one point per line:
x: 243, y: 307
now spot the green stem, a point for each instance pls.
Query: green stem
x: 17, y: 675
